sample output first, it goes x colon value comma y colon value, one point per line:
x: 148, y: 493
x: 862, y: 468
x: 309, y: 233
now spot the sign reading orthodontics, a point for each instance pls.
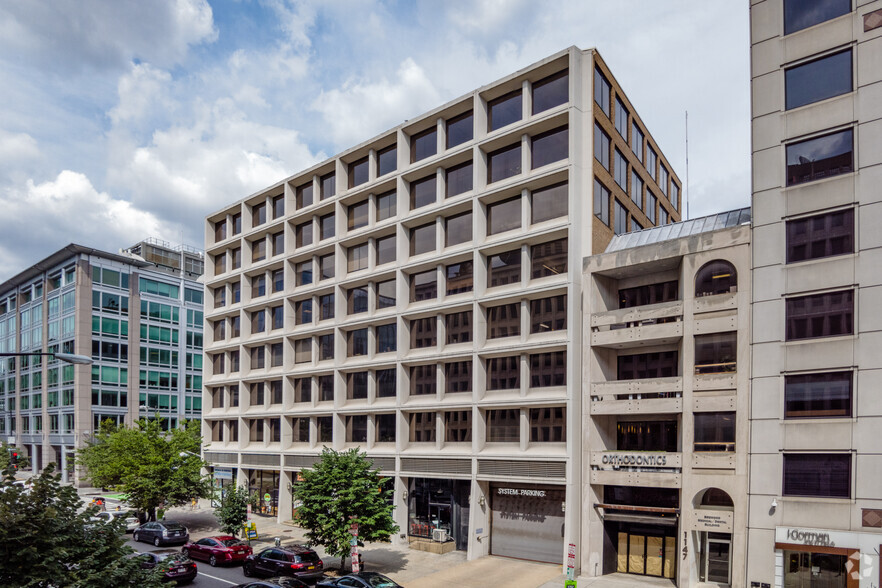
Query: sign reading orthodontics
x: 634, y: 459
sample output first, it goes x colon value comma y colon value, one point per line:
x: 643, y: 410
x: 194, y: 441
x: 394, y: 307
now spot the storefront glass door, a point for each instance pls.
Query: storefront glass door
x: 715, y: 558
x: 646, y: 553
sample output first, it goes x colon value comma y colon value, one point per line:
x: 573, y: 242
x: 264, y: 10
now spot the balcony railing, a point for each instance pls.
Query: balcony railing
x: 626, y: 327
x: 650, y: 395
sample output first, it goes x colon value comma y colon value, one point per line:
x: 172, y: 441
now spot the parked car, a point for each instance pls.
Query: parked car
x: 161, y: 532
x: 218, y: 550
x: 131, y: 521
x: 359, y: 580
x: 280, y: 582
x: 176, y: 565
x: 293, y: 560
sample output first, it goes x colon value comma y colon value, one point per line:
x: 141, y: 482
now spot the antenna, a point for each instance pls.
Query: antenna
x: 686, y: 190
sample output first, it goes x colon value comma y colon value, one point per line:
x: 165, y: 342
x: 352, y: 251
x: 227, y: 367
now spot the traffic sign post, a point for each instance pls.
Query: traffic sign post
x: 571, y: 564
x: 353, y: 552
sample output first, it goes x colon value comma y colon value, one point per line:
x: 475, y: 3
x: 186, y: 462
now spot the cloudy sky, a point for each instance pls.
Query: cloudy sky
x: 122, y: 119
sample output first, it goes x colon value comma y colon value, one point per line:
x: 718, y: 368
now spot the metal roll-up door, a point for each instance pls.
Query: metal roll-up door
x: 527, y: 522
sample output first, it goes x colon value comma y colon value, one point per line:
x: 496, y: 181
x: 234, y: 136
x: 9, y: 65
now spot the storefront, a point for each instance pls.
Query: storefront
x: 820, y: 558
x: 438, y: 510
x: 527, y: 522
x: 222, y: 478
x: 265, y: 484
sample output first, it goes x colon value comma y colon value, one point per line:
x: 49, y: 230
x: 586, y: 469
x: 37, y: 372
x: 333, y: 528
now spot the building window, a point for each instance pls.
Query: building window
x: 820, y: 315
x: 823, y: 475
x: 675, y: 195
x: 387, y: 160
x: 716, y: 353
x: 327, y: 186
x: 458, y: 426
x: 651, y: 203
x: 504, y: 110
x: 327, y: 228
x: 278, y: 280
x: 637, y: 138
x: 237, y: 223
x: 356, y: 428
x: 503, y: 163
x: 220, y: 231
x: 326, y: 306
x: 385, y: 250
x: 422, y: 427
x: 278, y: 317
x: 548, y: 425
x: 303, y: 196
x: 326, y: 267
x: 663, y: 178
x: 621, y: 119
x: 549, y: 259
x: 826, y: 395
x: 801, y: 14
x: 258, y: 214
x: 303, y: 271
x: 621, y: 218
x: 824, y: 569
x: 601, y: 146
x: 820, y: 157
x: 601, y: 202
x: 818, y: 80
x: 422, y: 239
x: 303, y: 351
x: 460, y: 129
x: 504, y: 373
x: 386, y: 205
x: 504, y: 320
x: 278, y: 240
x: 651, y: 161
x: 324, y: 429
x: 424, y: 144
x: 548, y: 369
x: 458, y: 229
x: 549, y: 147
x: 357, y: 343
x: 649, y: 294
x: 423, y: 380
x: 386, y: 294
x: 236, y: 256
x: 357, y: 257
x: 358, y: 215
x: 424, y: 286
x: 504, y: 425
x: 303, y: 234
x: 548, y: 314
x: 326, y: 346
x: 220, y: 263
x: 385, y: 428
x: 716, y: 277
x: 235, y: 326
x: 458, y: 376
x: 551, y: 91
x: 640, y: 366
x: 358, y: 172
x: 357, y: 300
x: 258, y: 286
x: 459, y: 179
x: 459, y: 327
x: 549, y: 203
x: 258, y: 321
x: 601, y: 91
x: 504, y: 268
x: 326, y: 388
x: 300, y: 430
x: 824, y: 235
x: 714, y: 431
x: 621, y: 170
x: 387, y: 338
x: 278, y: 206
x: 423, y: 333
x: 636, y: 188
x: 386, y: 387
x: 504, y: 216
x: 423, y: 192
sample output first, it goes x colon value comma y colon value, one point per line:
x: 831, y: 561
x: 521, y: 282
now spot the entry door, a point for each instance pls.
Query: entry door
x: 655, y: 550
x: 717, y: 561
x: 636, y: 554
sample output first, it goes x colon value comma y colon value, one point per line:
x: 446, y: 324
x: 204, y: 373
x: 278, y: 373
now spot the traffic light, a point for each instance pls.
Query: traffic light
x: 13, y: 458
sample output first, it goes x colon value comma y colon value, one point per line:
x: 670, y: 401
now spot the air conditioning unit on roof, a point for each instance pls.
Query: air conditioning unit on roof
x: 439, y: 535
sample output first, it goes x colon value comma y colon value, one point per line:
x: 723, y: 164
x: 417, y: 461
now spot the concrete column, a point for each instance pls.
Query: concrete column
x: 286, y: 478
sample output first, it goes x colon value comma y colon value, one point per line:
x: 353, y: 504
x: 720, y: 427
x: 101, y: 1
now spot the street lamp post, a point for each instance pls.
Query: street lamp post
x: 65, y: 357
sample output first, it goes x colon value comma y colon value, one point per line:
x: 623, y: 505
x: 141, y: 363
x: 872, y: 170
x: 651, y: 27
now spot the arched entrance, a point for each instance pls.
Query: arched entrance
x: 714, y: 511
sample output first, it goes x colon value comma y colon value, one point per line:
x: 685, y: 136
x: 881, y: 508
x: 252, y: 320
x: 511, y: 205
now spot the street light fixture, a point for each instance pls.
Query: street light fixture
x: 65, y: 357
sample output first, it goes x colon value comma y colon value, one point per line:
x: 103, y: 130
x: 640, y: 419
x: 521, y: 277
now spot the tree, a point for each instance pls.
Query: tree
x: 339, y: 490
x: 45, y: 541
x: 152, y: 467
x: 233, y: 510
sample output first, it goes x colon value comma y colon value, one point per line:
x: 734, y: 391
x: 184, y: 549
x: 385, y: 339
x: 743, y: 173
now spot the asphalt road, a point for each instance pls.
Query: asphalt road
x: 219, y: 577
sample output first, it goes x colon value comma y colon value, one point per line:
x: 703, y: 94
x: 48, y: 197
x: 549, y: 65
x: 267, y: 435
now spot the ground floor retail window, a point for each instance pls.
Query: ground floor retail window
x: 265, y: 484
x: 814, y: 570
x: 646, y: 550
x: 716, y: 558
x: 439, y: 510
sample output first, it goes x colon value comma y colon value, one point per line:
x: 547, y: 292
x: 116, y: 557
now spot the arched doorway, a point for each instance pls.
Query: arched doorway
x: 714, y: 509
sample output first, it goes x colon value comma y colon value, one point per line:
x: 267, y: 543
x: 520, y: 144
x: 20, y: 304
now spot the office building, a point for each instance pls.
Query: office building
x: 419, y: 296
x: 137, y: 313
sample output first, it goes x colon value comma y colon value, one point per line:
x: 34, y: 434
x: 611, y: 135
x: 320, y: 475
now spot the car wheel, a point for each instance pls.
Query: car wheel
x: 212, y: 561
x: 156, y: 541
x: 135, y: 537
x: 246, y: 569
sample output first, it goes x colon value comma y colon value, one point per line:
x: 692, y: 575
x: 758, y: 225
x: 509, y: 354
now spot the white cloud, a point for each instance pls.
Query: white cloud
x: 142, y: 92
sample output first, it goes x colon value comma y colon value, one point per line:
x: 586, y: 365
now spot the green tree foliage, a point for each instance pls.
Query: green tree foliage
x: 233, y: 510
x: 341, y: 489
x: 45, y: 541
x: 152, y: 467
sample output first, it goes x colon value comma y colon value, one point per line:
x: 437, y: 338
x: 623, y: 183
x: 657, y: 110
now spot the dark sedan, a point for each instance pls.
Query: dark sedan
x: 293, y: 560
x: 176, y: 566
x: 218, y: 550
x: 274, y: 583
x: 360, y: 580
x: 161, y: 533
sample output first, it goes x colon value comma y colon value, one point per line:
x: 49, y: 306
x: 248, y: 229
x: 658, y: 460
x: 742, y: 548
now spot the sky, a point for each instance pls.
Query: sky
x: 125, y: 119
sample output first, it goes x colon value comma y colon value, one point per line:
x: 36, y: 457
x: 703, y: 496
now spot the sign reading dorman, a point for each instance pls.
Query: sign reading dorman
x: 809, y: 537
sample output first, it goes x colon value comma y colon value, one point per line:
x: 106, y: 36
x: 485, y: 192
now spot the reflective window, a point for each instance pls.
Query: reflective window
x: 549, y: 147
x: 825, y: 475
x: 649, y: 294
x: 504, y: 110
x: 386, y: 204
x: 387, y: 340
x: 357, y: 343
x: 386, y: 389
x: 358, y: 215
x: 548, y: 203
x: 504, y: 216
x: 328, y: 185
x: 327, y: 227
x: 801, y: 14
x: 551, y: 91
x: 661, y: 364
x: 220, y: 231
x: 601, y: 202
x: 714, y: 431
x: 303, y: 312
x: 460, y: 129
x: 637, y: 138
x: 385, y: 249
x: 663, y: 178
x: 326, y: 267
x: 424, y: 144
x: 716, y: 277
x: 423, y: 192
x: 357, y: 257
x: 621, y: 219
x: 424, y: 286
x: 303, y: 234
x: 304, y: 195
x: 549, y: 259
x: 651, y: 161
x: 601, y: 146
x: 504, y: 373
x: 303, y: 351
x: 326, y: 347
x: 326, y: 306
x: 621, y: 119
x: 824, y: 235
x: 258, y: 214
x: 651, y: 204
x: 459, y: 327
x: 278, y: 240
x: 504, y: 320
x: 460, y: 277
x: 423, y: 332
x: 422, y: 239
x: 716, y: 353
x: 621, y: 170
x: 820, y: 315
x: 386, y: 294
x: 675, y: 195
x: 823, y: 569
x: 504, y: 163
x: 821, y: 157
x: 279, y: 206
x: 358, y: 172
x: 387, y: 160
x: 357, y: 300
x: 458, y: 229
x: 548, y: 425
x: 422, y: 427
x: 636, y: 188
x: 356, y: 428
x: 459, y: 179
x: 822, y: 395
x: 423, y: 380
x: 326, y: 393
x: 548, y: 314
x: 458, y: 423
x: 504, y: 425
x: 504, y: 268
x: 548, y: 369
x: 303, y: 271
x: 237, y: 223
x: 601, y: 92
x: 356, y: 386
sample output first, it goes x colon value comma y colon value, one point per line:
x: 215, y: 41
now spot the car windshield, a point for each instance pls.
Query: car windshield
x: 231, y: 542
x: 380, y: 581
x: 173, y: 526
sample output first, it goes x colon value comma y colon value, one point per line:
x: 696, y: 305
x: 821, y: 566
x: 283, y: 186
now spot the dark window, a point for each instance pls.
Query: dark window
x: 714, y: 431
x: 459, y: 327
x: 601, y: 146
x: 386, y: 205
x: 387, y: 160
x: 324, y: 428
x: 326, y: 267
x: 548, y: 314
x: 503, y: 425
x: 818, y: 395
x: 326, y: 346
x: 820, y: 315
x: 304, y: 273
x: 636, y: 188
x: 278, y: 206
x: 504, y: 163
x: 423, y: 380
x: 458, y: 229
x: 423, y: 192
x: 357, y: 343
x: 460, y: 129
x: 327, y: 227
x: 821, y: 157
x: 424, y: 144
x: 651, y: 205
x: 548, y: 425
x: 551, y: 91
x: 328, y: 185
x: 648, y: 294
x: 304, y: 195
x: 304, y: 234
x: 258, y: 214
x: 505, y: 110
x: 258, y: 286
x: 423, y: 332
x: 504, y: 373
x: 548, y: 369
x: 818, y: 80
x: 422, y: 427
x: 504, y: 320
x: 601, y: 91
x: 278, y: 240
x: 460, y: 277
x: 357, y: 300
x: 549, y: 259
x: 459, y: 179
x: 824, y: 235
x: 824, y: 569
x: 386, y: 383
x: 637, y: 137
x: 278, y: 280
x: 358, y: 215
x: 358, y: 172
x: 826, y: 475
x: 651, y: 161
x: 300, y: 430
x: 458, y: 426
x: 258, y: 321
x: 386, y: 250
x: 661, y: 364
x: 716, y: 277
x: 326, y: 306
x: 276, y: 391
x: 601, y: 202
x: 278, y: 317
x: 386, y: 294
x: 801, y: 14
x: 675, y: 196
x: 504, y: 268
x: 549, y: 147
x: 258, y: 250
x: 220, y: 231
x: 356, y: 428
x: 237, y: 223
x: 424, y: 286
x: 385, y: 428
x: 716, y: 353
x: 646, y: 436
x: 387, y: 338
x: 422, y: 239
x: 548, y: 203
x: 621, y: 170
x: 258, y: 361
x: 458, y: 376
x: 621, y: 119
x: 621, y: 219
x: 504, y: 216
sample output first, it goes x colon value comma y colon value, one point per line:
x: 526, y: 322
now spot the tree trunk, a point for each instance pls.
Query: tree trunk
x: 151, y: 513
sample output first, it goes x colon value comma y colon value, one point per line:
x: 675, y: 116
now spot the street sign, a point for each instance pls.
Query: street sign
x: 571, y: 562
x: 223, y: 474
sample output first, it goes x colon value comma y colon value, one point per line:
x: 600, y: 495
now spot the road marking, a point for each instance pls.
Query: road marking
x: 216, y: 578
